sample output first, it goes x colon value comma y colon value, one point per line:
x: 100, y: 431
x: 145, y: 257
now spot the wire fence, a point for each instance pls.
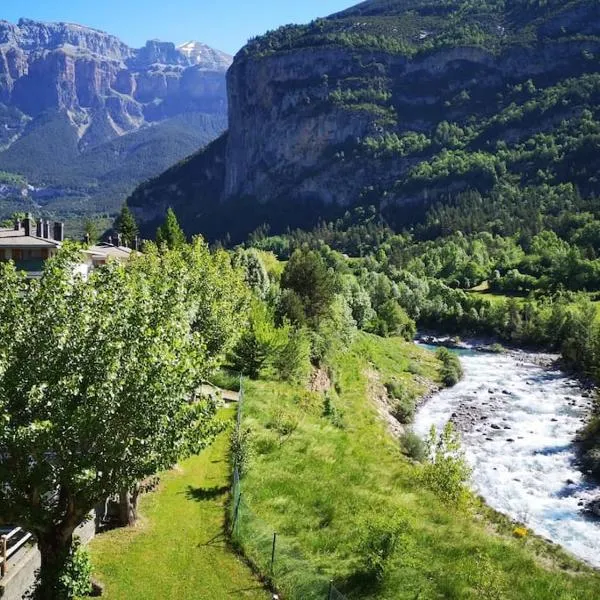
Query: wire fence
x: 278, y: 558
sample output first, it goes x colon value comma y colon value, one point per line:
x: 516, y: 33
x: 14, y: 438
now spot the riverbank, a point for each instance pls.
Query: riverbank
x: 518, y: 416
x: 325, y: 469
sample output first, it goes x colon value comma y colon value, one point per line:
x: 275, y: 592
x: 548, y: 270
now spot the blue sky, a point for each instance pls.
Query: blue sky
x: 225, y: 25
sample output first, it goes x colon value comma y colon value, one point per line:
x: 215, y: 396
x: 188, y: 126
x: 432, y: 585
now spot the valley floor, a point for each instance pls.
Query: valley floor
x: 179, y: 549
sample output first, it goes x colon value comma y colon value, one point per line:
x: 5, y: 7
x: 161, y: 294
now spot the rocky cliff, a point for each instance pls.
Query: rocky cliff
x: 400, y: 104
x: 91, y: 89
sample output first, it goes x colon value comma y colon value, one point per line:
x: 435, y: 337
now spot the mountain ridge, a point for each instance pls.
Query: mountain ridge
x: 413, y: 103
x: 87, y: 89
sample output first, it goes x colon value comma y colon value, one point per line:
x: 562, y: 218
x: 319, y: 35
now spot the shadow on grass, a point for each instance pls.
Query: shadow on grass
x: 365, y: 585
x: 204, y: 494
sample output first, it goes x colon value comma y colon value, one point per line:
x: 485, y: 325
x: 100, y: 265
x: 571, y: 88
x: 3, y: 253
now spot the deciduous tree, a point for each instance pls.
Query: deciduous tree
x: 96, y: 378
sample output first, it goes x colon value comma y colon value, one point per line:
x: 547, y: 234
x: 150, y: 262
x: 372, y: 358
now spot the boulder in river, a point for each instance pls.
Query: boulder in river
x: 593, y: 508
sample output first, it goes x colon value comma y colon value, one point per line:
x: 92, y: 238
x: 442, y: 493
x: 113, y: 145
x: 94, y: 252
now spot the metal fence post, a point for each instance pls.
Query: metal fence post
x: 330, y: 594
x: 3, y: 550
x: 273, y: 553
x: 236, y: 514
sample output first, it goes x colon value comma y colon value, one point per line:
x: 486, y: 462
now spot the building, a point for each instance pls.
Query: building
x: 29, y: 245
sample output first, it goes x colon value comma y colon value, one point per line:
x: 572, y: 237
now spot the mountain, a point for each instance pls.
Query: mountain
x: 84, y: 118
x: 400, y: 104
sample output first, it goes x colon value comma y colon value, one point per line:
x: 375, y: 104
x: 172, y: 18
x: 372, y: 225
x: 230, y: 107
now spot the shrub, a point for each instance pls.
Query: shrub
x: 403, y: 408
x: 283, y: 422
x: 241, y: 449
x: 380, y: 536
x: 446, y: 471
x: 292, y: 363
x: 259, y: 344
x: 451, y: 371
x: 226, y: 379
x: 332, y: 412
x: 76, y: 578
x: 413, y: 446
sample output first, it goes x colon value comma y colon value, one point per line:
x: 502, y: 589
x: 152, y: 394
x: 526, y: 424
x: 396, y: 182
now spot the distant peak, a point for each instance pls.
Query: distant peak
x: 200, y: 53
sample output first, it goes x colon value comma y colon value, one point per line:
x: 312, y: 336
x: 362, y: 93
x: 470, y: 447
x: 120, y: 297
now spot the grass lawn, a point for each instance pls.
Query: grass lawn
x: 322, y: 471
x: 178, y: 551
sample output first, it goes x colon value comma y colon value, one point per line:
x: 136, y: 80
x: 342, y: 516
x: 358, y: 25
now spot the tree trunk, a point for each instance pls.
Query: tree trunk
x: 54, y: 548
x: 128, y: 501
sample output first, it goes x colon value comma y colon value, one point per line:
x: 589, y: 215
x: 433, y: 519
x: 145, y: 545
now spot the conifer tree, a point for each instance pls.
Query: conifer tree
x: 127, y: 226
x: 170, y: 233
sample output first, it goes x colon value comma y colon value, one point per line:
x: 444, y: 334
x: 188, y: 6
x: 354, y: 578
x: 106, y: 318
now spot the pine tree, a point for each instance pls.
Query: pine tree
x: 126, y: 226
x: 170, y: 233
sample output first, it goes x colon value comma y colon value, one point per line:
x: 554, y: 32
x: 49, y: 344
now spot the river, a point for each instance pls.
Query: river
x: 518, y: 420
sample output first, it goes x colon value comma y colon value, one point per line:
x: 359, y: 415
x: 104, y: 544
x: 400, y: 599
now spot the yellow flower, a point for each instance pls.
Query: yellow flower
x: 520, y: 532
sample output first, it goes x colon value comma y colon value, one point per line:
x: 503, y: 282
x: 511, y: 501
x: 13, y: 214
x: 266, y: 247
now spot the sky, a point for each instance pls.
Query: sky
x: 225, y: 25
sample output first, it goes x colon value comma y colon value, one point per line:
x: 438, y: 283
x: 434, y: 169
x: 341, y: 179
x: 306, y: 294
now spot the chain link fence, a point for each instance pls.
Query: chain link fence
x: 278, y: 558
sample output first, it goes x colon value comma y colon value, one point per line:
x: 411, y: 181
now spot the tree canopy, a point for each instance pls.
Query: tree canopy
x: 96, y: 381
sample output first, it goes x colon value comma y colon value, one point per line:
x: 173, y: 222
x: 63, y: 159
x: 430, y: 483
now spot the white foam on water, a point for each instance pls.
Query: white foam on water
x: 533, y: 478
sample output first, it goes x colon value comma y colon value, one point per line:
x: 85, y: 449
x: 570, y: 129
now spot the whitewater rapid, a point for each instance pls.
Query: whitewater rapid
x: 518, y: 421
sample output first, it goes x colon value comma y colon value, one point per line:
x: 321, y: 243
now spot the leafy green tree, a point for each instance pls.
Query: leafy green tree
x: 446, y: 472
x: 96, y: 378
x: 391, y: 320
x: 307, y: 276
x: 90, y: 230
x: 170, y: 234
x: 126, y: 225
x: 259, y: 342
x: 255, y: 271
x: 292, y: 362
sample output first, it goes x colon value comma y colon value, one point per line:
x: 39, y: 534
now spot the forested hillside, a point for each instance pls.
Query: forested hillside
x: 401, y: 106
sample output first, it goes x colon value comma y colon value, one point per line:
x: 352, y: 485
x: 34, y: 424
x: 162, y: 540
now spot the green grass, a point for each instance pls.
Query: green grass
x: 316, y: 484
x: 178, y: 551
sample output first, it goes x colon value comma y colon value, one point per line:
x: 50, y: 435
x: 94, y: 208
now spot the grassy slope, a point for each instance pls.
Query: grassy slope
x: 179, y: 550
x: 317, y: 486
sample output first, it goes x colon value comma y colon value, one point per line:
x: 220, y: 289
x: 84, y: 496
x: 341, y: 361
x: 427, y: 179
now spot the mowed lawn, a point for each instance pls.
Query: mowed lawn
x: 178, y: 550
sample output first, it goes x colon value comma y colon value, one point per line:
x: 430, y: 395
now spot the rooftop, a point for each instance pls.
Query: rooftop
x: 16, y: 238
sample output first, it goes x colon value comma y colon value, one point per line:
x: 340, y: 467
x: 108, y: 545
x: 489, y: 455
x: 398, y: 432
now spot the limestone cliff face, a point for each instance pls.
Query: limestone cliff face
x: 87, y: 118
x: 285, y: 130
x: 341, y: 111
x: 72, y: 68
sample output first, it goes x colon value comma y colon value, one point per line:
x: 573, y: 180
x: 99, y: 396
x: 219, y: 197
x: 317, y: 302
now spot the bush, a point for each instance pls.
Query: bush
x: 451, y: 371
x: 76, y: 578
x: 332, y: 412
x: 403, y: 408
x: 380, y: 536
x: 241, y: 449
x: 226, y: 380
x: 446, y: 472
x: 292, y: 363
x: 283, y: 422
x: 259, y: 344
x: 413, y: 446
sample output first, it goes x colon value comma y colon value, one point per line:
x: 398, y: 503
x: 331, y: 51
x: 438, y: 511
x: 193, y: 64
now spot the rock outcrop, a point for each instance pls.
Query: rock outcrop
x: 69, y: 67
x: 395, y: 103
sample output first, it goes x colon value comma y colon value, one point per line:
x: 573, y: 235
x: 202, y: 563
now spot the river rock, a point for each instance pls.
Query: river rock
x: 593, y: 508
